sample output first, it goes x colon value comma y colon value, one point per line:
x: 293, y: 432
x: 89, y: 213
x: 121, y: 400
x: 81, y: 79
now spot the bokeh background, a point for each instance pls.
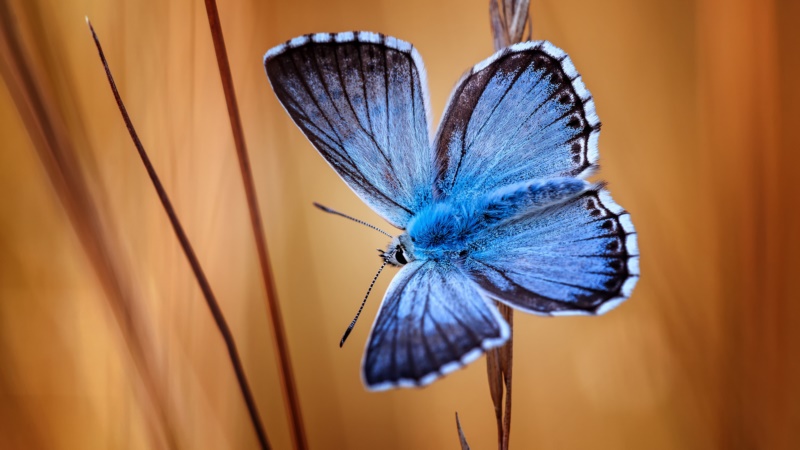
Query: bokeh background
x: 699, y: 105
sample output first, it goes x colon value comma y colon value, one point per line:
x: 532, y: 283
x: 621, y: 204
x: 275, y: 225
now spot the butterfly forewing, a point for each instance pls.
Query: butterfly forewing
x: 580, y: 257
x: 522, y: 114
x: 361, y: 99
x: 432, y: 321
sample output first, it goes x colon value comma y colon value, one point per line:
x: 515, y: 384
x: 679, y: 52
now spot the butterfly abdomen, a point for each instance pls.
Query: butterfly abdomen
x: 445, y: 230
x: 526, y: 197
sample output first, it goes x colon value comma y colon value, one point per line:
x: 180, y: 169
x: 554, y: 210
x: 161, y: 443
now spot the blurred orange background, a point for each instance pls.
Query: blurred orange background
x: 699, y: 108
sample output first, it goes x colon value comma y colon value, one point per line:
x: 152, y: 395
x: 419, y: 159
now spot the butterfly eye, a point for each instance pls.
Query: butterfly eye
x: 399, y: 256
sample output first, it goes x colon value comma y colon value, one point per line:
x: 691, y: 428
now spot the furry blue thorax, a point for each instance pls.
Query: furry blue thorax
x: 443, y: 231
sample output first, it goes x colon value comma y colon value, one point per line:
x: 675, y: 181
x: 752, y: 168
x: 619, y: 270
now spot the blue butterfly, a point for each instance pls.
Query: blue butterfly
x: 495, y: 207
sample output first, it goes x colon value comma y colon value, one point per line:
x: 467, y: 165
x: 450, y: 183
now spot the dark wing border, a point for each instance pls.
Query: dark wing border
x: 398, y: 284
x: 367, y: 37
x: 560, y: 308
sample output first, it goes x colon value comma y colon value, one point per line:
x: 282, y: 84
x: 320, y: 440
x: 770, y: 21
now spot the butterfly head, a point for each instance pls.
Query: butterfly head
x: 400, y: 251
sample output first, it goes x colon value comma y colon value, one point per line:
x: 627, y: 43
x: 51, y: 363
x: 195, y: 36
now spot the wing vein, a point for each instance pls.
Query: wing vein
x: 450, y: 345
x: 335, y: 139
x: 364, y: 89
x: 353, y: 109
x: 304, y: 82
x: 469, y: 330
x: 425, y: 343
x: 518, y: 286
x: 499, y: 101
x: 386, y: 94
x: 495, y: 68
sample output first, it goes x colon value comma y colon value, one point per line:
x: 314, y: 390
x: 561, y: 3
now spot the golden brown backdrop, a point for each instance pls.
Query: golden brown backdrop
x: 699, y: 106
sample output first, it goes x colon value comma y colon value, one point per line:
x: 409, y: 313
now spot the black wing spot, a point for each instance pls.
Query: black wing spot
x: 612, y: 284
x: 576, y: 121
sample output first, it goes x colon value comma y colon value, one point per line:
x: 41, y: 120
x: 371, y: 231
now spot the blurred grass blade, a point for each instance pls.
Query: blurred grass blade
x: 499, y: 30
x: 509, y: 22
x: 202, y: 281
x: 31, y: 88
x: 506, y: 357
x: 519, y: 20
x: 461, y: 438
x: 495, y: 377
x: 285, y: 373
x: 499, y: 363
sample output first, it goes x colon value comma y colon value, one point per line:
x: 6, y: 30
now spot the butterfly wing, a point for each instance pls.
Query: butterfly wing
x: 362, y: 100
x: 579, y: 257
x: 432, y: 321
x: 522, y: 114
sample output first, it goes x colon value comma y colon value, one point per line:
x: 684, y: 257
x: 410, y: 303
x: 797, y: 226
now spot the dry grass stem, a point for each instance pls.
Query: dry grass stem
x: 186, y: 246
x: 499, y: 366
x: 495, y: 386
x: 461, y: 438
x: 509, y: 22
x: 291, y: 401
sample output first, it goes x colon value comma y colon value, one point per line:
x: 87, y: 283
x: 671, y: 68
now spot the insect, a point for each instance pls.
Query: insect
x: 494, y: 208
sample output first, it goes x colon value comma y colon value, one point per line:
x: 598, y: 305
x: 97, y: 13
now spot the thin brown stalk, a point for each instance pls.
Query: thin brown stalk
x: 499, y: 364
x: 205, y: 287
x: 519, y: 20
x: 461, y: 438
x: 506, y: 363
x: 291, y: 400
x: 509, y: 23
x: 495, y: 377
x: 45, y: 123
x: 499, y: 30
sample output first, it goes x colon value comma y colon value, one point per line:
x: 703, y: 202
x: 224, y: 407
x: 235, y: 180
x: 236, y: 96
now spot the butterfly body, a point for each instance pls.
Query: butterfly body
x: 449, y: 230
x: 494, y: 208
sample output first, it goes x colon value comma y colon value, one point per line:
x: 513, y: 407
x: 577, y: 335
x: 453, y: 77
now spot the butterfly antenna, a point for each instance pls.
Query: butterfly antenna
x: 333, y: 211
x: 353, y: 323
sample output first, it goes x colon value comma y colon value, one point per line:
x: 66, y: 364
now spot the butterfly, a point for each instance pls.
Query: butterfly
x: 494, y: 208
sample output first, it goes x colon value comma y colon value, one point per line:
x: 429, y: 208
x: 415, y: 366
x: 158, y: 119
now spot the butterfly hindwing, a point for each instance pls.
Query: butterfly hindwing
x: 579, y: 257
x: 361, y: 99
x: 432, y: 321
x: 522, y: 114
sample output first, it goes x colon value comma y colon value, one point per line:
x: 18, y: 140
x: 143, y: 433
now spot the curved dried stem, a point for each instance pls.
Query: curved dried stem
x: 509, y: 22
x: 183, y: 239
x: 461, y: 438
x: 499, y: 363
x: 285, y: 373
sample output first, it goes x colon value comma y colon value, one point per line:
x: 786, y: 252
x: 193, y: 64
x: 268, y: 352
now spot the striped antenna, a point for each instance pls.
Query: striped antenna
x: 363, y: 302
x: 333, y: 211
